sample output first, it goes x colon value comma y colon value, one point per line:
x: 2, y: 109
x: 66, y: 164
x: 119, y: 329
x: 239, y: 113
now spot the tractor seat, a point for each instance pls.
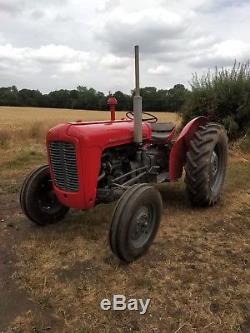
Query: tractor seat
x: 161, y: 132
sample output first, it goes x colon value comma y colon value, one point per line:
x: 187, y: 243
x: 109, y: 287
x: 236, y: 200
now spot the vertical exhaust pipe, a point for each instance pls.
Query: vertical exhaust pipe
x: 137, y: 101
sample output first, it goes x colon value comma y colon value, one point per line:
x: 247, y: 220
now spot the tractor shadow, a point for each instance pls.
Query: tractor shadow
x: 93, y: 225
x: 174, y: 195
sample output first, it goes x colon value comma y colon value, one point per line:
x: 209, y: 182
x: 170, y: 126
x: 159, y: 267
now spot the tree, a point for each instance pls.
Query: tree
x: 89, y: 99
x: 9, y: 96
x: 124, y: 101
x: 29, y: 97
x: 176, y: 97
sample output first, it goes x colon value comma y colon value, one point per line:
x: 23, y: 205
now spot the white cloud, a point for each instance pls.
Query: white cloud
x: 223, y: 54
x: 8, y: 52
x: 232, y: 49
x: 10, y: 6
x: 113, y: 62
x: 57, y: 53
x: 74, y: 67
x: 159, y: 70
x: 91, y: 42
x: 37, y: 14
x: 108, y: 5
x: 14, y: 7
x: 202, y: 41
x: 45, y: 54
x: 52, y: 60
x: 154, y: 29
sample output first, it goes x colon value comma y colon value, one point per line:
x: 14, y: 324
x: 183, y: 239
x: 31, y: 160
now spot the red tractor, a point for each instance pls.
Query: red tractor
x: 103, y: 161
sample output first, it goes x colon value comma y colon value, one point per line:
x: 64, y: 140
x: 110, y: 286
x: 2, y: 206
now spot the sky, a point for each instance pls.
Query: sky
x: 60, y: 44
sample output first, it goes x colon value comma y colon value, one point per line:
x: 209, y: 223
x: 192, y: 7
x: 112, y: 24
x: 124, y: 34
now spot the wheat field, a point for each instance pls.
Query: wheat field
x: 19, y: 116
x: 33, y: 123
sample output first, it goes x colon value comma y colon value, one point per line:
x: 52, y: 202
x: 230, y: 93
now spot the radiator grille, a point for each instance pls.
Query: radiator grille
x: 63, y: 164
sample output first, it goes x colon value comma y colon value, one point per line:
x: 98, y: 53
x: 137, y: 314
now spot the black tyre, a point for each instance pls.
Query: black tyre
x: 206, y: 165
x: 135, y: 222
x: 37, y: 199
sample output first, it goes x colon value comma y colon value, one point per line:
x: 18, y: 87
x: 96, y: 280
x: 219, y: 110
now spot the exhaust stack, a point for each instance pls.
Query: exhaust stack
x: 137, y: 101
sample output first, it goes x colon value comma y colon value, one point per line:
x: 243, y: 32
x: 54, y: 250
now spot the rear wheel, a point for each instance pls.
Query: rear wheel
x: 206, y: 165
x: 38, y: 200
x: 135, y: 222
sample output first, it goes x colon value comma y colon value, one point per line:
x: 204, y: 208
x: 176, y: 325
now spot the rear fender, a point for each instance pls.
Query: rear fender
x: 179, y: 150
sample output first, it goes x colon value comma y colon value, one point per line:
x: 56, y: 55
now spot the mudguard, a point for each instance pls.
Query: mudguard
x: 179, y: 150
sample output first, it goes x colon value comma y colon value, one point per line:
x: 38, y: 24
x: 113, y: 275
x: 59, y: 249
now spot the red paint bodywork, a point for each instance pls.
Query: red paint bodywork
x: 177, y: 158
x: 92, y: 138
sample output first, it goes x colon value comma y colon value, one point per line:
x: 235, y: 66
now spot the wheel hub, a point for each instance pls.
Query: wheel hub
x: 142, y: 221
x: 47, y: 198
x: 142, y: 224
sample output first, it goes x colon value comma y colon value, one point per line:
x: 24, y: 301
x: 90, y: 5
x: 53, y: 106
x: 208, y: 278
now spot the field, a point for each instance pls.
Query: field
x: 52, y: 279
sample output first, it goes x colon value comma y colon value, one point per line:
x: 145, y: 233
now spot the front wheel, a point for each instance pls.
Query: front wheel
x: 135, y: 222
x: 38, y: 200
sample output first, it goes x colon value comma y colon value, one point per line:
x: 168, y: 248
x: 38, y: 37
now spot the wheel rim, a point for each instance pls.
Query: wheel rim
x: 47, y: 199
x: 142, y: 225
x: 215, y: 168
x: 214, y: 164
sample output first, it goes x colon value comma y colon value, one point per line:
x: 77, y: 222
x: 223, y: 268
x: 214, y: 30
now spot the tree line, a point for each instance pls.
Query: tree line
x: 89, y: 99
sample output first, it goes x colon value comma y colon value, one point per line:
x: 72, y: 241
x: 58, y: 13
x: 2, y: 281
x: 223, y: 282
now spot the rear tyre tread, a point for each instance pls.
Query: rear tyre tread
x: 198, y: 163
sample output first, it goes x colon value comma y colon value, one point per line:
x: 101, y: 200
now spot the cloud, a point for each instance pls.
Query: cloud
x: 207, y: 6
x: 222, y: 54
x: 8, y: 52
x: 113, y: 62
x: 108, y: 5
x: 74, y: 67
x: 37, y: 14
x: 159, y: 70
x: 13, y: 7
x: 153, y: 29
x: 91, y: 42
x: 63, y: 58
x: 57, y: 53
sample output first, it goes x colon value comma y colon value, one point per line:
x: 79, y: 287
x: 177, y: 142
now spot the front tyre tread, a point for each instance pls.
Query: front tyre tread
x: 30, y: 200
x: 134, y: 199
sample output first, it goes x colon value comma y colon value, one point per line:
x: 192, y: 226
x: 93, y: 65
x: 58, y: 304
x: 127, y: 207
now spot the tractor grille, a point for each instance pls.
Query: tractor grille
x: 63, y: 164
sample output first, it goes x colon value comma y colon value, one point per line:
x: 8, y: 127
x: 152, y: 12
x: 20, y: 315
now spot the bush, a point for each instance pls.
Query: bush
x: 224, y: 96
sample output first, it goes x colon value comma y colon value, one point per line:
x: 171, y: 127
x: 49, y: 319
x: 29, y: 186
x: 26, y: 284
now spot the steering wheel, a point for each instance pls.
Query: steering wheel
x: 150, y: 119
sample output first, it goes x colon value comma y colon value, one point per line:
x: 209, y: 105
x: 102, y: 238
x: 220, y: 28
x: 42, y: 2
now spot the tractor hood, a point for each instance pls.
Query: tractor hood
x: 89, y: 140
x: 102, y: 134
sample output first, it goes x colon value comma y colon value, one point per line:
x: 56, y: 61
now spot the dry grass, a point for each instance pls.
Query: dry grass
x: 5, y: 137
x: 21, y: 115
x: 196, y: 272
x: 33, y: 123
